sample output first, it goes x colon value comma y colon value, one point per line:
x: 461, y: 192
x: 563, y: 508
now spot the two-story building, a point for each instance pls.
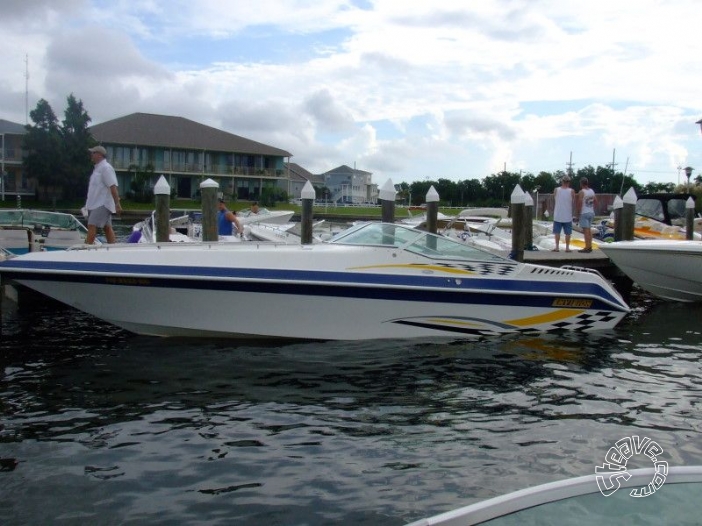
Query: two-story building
x: 187, y: 153
x: 298, y: 178
x: 350, y: 186
x: 13, y: 181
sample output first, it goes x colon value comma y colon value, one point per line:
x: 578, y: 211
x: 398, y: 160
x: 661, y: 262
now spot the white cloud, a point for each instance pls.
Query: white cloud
x: 405, y: 89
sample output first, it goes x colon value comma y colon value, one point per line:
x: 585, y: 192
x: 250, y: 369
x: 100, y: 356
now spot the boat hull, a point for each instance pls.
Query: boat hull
x: 353, y: 293
x: 671, y: 270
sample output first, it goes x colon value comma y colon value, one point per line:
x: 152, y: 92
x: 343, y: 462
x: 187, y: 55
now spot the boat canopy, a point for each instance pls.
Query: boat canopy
x: 395, y: 235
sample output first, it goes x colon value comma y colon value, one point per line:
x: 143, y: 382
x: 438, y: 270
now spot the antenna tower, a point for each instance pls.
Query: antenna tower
x: 569, y: 164
x: 26, y: 89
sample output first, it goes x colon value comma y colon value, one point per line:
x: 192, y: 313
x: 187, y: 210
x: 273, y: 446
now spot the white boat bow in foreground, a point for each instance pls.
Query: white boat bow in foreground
x: 668, y: 496
x: 669, y: 269
x: 375, y: 280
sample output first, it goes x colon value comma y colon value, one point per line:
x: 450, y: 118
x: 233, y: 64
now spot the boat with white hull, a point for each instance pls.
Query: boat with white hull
x: 187, y: 228
x: 669, y: 269
x: 375, y: 280
x: 604, y: 498
x: 264, y: 215
x: 23, y: 230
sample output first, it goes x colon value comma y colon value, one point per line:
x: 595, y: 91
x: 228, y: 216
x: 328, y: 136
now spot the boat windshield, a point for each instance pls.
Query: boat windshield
x: 412, y: 240
x: 39, y: 217
x: 656, y: 207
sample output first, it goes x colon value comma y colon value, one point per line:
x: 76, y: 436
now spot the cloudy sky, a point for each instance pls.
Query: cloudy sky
x: 406, y: 89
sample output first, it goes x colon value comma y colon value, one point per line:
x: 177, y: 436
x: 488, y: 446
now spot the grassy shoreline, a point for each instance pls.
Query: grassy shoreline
x: 186, y: 205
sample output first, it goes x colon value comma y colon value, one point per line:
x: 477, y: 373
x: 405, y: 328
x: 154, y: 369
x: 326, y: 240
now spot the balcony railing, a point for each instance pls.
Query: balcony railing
x: 12, y: 155
x: 194, y: 169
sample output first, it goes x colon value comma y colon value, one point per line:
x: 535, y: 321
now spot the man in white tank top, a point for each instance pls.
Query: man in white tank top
x: 586, y: 212
x: 563, y: 197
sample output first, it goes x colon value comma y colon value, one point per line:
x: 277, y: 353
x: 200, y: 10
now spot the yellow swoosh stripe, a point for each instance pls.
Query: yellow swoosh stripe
x: 560, y: 314
x: 437, y: 268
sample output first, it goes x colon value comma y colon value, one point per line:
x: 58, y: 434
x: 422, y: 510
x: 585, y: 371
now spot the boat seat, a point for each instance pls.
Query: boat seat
x: 62, y: 239
x: 15, y: 240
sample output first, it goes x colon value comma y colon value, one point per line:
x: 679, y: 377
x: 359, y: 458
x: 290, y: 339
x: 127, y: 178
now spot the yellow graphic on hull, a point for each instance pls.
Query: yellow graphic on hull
x: 558, y: 315
x: 435, y: 268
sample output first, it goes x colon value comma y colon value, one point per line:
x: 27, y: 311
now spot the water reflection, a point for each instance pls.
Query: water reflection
x: 324, y: 432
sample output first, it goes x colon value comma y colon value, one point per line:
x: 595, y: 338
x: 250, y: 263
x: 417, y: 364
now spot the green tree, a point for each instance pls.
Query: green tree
x: 528, y: 182
x: 471, y: 192
x: 270, y: 195
x: 546, y: 182
x: 402, y: 195
x: 45, y: 153
x: 418, y: 192
x: 140, y: 185
x: 76, y: 141
x: 447, y: 191
x: 57, y: 156
x: 500, y: 186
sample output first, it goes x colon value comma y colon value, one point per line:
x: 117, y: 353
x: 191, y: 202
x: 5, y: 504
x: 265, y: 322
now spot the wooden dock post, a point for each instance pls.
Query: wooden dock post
x: 162, y: 195
x: 308, y: 196
x: 387, y: 201
x: 629, y: 215
x: 689, y: 218
x: 432, y: 200
x: 617, y: 207
x: 208, y: 193
x: 517, y: 201
x: 528, y: 222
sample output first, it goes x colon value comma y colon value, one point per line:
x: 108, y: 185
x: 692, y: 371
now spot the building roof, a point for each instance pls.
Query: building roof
x: 12, y: 127
x: 345, y: 169
x: 146, y: 129
x: 298, y: 173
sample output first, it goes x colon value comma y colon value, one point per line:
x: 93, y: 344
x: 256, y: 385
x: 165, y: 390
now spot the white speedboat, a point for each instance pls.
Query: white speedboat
x: 669, y: 269
x: 375, y: 280
x: 654, y: 495
x: 271, y: 217
x: 23, y: 230
x: 187, y: 227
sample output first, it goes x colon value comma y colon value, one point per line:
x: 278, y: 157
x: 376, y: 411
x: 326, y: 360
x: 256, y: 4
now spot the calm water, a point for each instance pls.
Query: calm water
x: 112, y: 428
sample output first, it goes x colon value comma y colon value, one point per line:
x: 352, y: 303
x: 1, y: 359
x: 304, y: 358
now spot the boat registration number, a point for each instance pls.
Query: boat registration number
x: 570, y: 302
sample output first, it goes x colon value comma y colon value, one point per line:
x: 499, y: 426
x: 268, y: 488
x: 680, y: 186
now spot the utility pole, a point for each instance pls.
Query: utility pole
x: 26, y: 89
x: 613, y: 164
x: 569, y: 164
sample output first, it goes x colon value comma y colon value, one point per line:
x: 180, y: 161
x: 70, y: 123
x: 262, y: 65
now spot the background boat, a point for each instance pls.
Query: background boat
x: 23, y: 230
x: 669, y: 269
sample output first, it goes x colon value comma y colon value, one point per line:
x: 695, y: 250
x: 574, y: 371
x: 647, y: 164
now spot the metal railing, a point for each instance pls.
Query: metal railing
x: 194, y: 169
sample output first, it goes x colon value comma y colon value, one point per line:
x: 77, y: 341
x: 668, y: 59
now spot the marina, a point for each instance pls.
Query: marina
x: 350, y: 263
x: 130, y: 428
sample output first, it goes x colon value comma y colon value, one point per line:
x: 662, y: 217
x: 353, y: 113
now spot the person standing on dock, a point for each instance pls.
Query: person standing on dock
x: 103, y: 196
x: 227, y: 221
x: 585, y: 209
x: 563, y: 197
